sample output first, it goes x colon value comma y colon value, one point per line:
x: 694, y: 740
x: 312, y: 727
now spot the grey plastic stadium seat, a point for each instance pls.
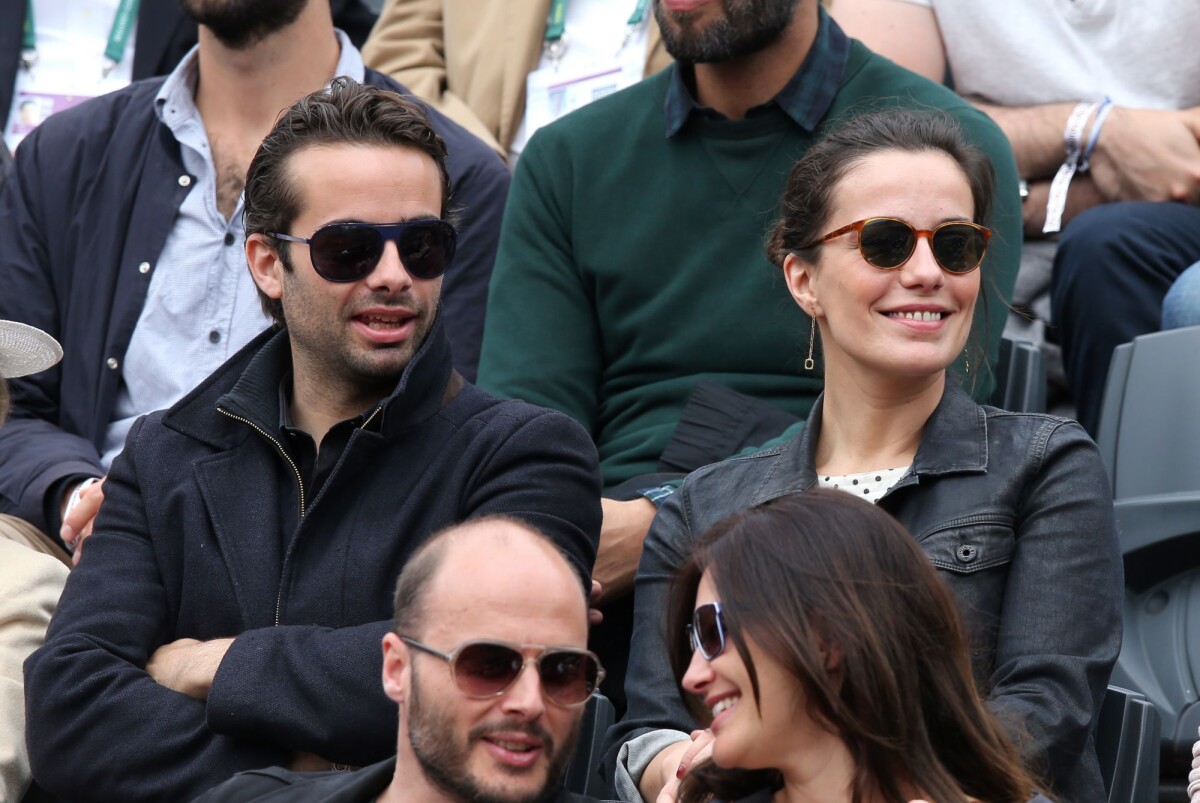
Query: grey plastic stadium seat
x: 584, y: 776
x: 1020, y: 377
x: 1149, y: 437
x: 1127, y: 737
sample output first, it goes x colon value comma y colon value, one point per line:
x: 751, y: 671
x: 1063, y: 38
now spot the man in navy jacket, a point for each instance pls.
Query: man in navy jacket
x: 484, y: 594
x: 227, y: 612
x: 98, y: 204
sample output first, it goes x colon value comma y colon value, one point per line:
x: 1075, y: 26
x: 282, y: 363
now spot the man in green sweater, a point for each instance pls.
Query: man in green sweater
x: 631, y: 261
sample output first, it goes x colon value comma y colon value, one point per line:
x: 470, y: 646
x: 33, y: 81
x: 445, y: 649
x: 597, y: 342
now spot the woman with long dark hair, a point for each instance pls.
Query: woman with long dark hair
x: 883, y: 241
x: 829, y: 660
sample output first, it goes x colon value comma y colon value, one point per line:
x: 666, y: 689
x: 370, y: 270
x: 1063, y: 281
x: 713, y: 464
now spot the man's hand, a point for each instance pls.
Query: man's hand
x: 77, y: 522
x: 1149, y: 155
x: 622, y: 532
x: 595, y: 616
x: 188, y: 666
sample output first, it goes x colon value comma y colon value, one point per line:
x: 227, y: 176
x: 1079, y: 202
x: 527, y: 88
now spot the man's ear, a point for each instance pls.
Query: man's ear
x: 265, y: 265
x: 395, y: 667
x: 799, y: 277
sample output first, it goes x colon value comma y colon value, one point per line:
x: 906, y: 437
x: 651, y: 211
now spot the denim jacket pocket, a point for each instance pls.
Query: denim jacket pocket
x: 970, y: 544
x: 973, y: 554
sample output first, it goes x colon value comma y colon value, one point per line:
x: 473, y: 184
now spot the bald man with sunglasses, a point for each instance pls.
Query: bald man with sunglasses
x: 229, y: 607
x: 488, y: 663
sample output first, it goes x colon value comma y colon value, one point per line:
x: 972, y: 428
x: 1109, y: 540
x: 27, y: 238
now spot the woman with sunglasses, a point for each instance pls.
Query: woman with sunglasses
x: 883, y: 242
x: 831, y: 663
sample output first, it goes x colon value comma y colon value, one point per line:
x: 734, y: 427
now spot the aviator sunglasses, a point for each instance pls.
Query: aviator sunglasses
x: 347, y: 252
x: 888, y: 242
x: 707, y: 630
x: 485, y: 669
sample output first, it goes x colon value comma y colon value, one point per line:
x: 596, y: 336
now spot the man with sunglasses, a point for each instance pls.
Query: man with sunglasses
x: 121, y: 234
x: 488, y: 665
x: 228, y: 611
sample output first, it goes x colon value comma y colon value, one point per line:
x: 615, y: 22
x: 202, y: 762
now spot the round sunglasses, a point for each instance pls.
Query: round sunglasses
x: 347, y: 252
x: 887, y: 242
x: 707, y: 630
x: 484, y: 669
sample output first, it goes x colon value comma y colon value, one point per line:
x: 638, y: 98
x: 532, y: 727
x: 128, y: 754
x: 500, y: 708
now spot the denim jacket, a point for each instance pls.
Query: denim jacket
x: 1014, y: 509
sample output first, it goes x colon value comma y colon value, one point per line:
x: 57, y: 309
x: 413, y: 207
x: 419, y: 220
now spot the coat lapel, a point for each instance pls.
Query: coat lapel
x: 242, y: 509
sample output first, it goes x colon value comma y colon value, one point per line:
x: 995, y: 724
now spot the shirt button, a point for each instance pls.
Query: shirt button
x: 229, y: 238
x: 967, y: 553
x: 144, y: 267
x: 340, y: 767
x: 214, y: 336
x: 185, y: 180
x: 112, y: 363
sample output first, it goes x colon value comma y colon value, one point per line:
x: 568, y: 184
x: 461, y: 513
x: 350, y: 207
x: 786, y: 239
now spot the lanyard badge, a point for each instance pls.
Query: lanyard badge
x: 555, y: 42
x: 114, y: 49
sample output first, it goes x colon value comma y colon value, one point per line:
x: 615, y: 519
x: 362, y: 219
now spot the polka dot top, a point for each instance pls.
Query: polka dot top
x: 869, y: 485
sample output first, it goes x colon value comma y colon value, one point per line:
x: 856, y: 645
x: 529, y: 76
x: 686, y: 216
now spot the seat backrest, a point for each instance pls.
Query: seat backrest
x: 1020, y: 377
x: 583, y: 775
x: 1149, y: 432
x: 1127, y: 739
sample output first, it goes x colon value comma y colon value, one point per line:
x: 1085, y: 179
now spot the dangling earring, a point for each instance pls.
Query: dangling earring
x: 967, y: 361
x: 812, y: 336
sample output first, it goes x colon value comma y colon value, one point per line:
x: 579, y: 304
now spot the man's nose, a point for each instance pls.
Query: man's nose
x: 390, y: 273
x: 524, y: 697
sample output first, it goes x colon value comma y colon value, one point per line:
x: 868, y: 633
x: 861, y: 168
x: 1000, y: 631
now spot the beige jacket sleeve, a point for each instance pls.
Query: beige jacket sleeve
x: 30, y: 584
x: 409, y: 44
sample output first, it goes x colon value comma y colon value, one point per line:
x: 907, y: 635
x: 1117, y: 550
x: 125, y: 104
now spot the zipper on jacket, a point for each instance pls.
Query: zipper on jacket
x: 299, y: 485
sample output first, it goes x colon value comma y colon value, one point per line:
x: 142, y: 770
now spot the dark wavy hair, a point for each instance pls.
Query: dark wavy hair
x: 347, y: 113
x: 815, y: 179
x: 824, y: 569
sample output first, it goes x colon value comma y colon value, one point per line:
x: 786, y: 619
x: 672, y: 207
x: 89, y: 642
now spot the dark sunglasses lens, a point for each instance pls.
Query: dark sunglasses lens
x: 887, y: 243
x: 345, y: 253
x: 959, y: 248
x: 484, y: 670
x: 426, y: 248
x: 568, y: 677
x: 706, y: 625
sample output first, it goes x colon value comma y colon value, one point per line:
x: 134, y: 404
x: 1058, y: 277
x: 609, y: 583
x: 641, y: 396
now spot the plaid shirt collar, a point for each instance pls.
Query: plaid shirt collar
x: 806, y: 98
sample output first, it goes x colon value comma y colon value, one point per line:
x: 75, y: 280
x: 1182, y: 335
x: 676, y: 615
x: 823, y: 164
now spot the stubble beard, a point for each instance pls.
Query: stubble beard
x: 747, y: 27
x: 443, y: 757
x: 239, y: 24
x: 333, y: 352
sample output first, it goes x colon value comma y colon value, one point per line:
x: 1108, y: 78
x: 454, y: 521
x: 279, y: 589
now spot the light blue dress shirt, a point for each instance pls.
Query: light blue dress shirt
x: 202, y: 305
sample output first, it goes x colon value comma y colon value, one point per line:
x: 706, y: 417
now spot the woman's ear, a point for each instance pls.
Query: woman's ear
x: 800, y: 282
x: 831, y: 658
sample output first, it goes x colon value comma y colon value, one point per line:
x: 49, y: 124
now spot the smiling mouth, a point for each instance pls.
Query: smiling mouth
x: 916, y: 316
x: 724, y: 704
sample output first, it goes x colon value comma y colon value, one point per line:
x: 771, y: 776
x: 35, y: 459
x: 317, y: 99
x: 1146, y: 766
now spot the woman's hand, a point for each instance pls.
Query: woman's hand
x: 690, y: 754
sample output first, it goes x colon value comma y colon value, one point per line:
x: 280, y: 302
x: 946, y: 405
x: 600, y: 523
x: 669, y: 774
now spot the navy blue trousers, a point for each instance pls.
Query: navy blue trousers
x: 1114, y: 265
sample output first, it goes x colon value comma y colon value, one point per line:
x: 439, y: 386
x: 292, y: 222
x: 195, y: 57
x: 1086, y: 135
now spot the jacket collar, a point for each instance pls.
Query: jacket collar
x: 954, y: 442
x: 248, y: 387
